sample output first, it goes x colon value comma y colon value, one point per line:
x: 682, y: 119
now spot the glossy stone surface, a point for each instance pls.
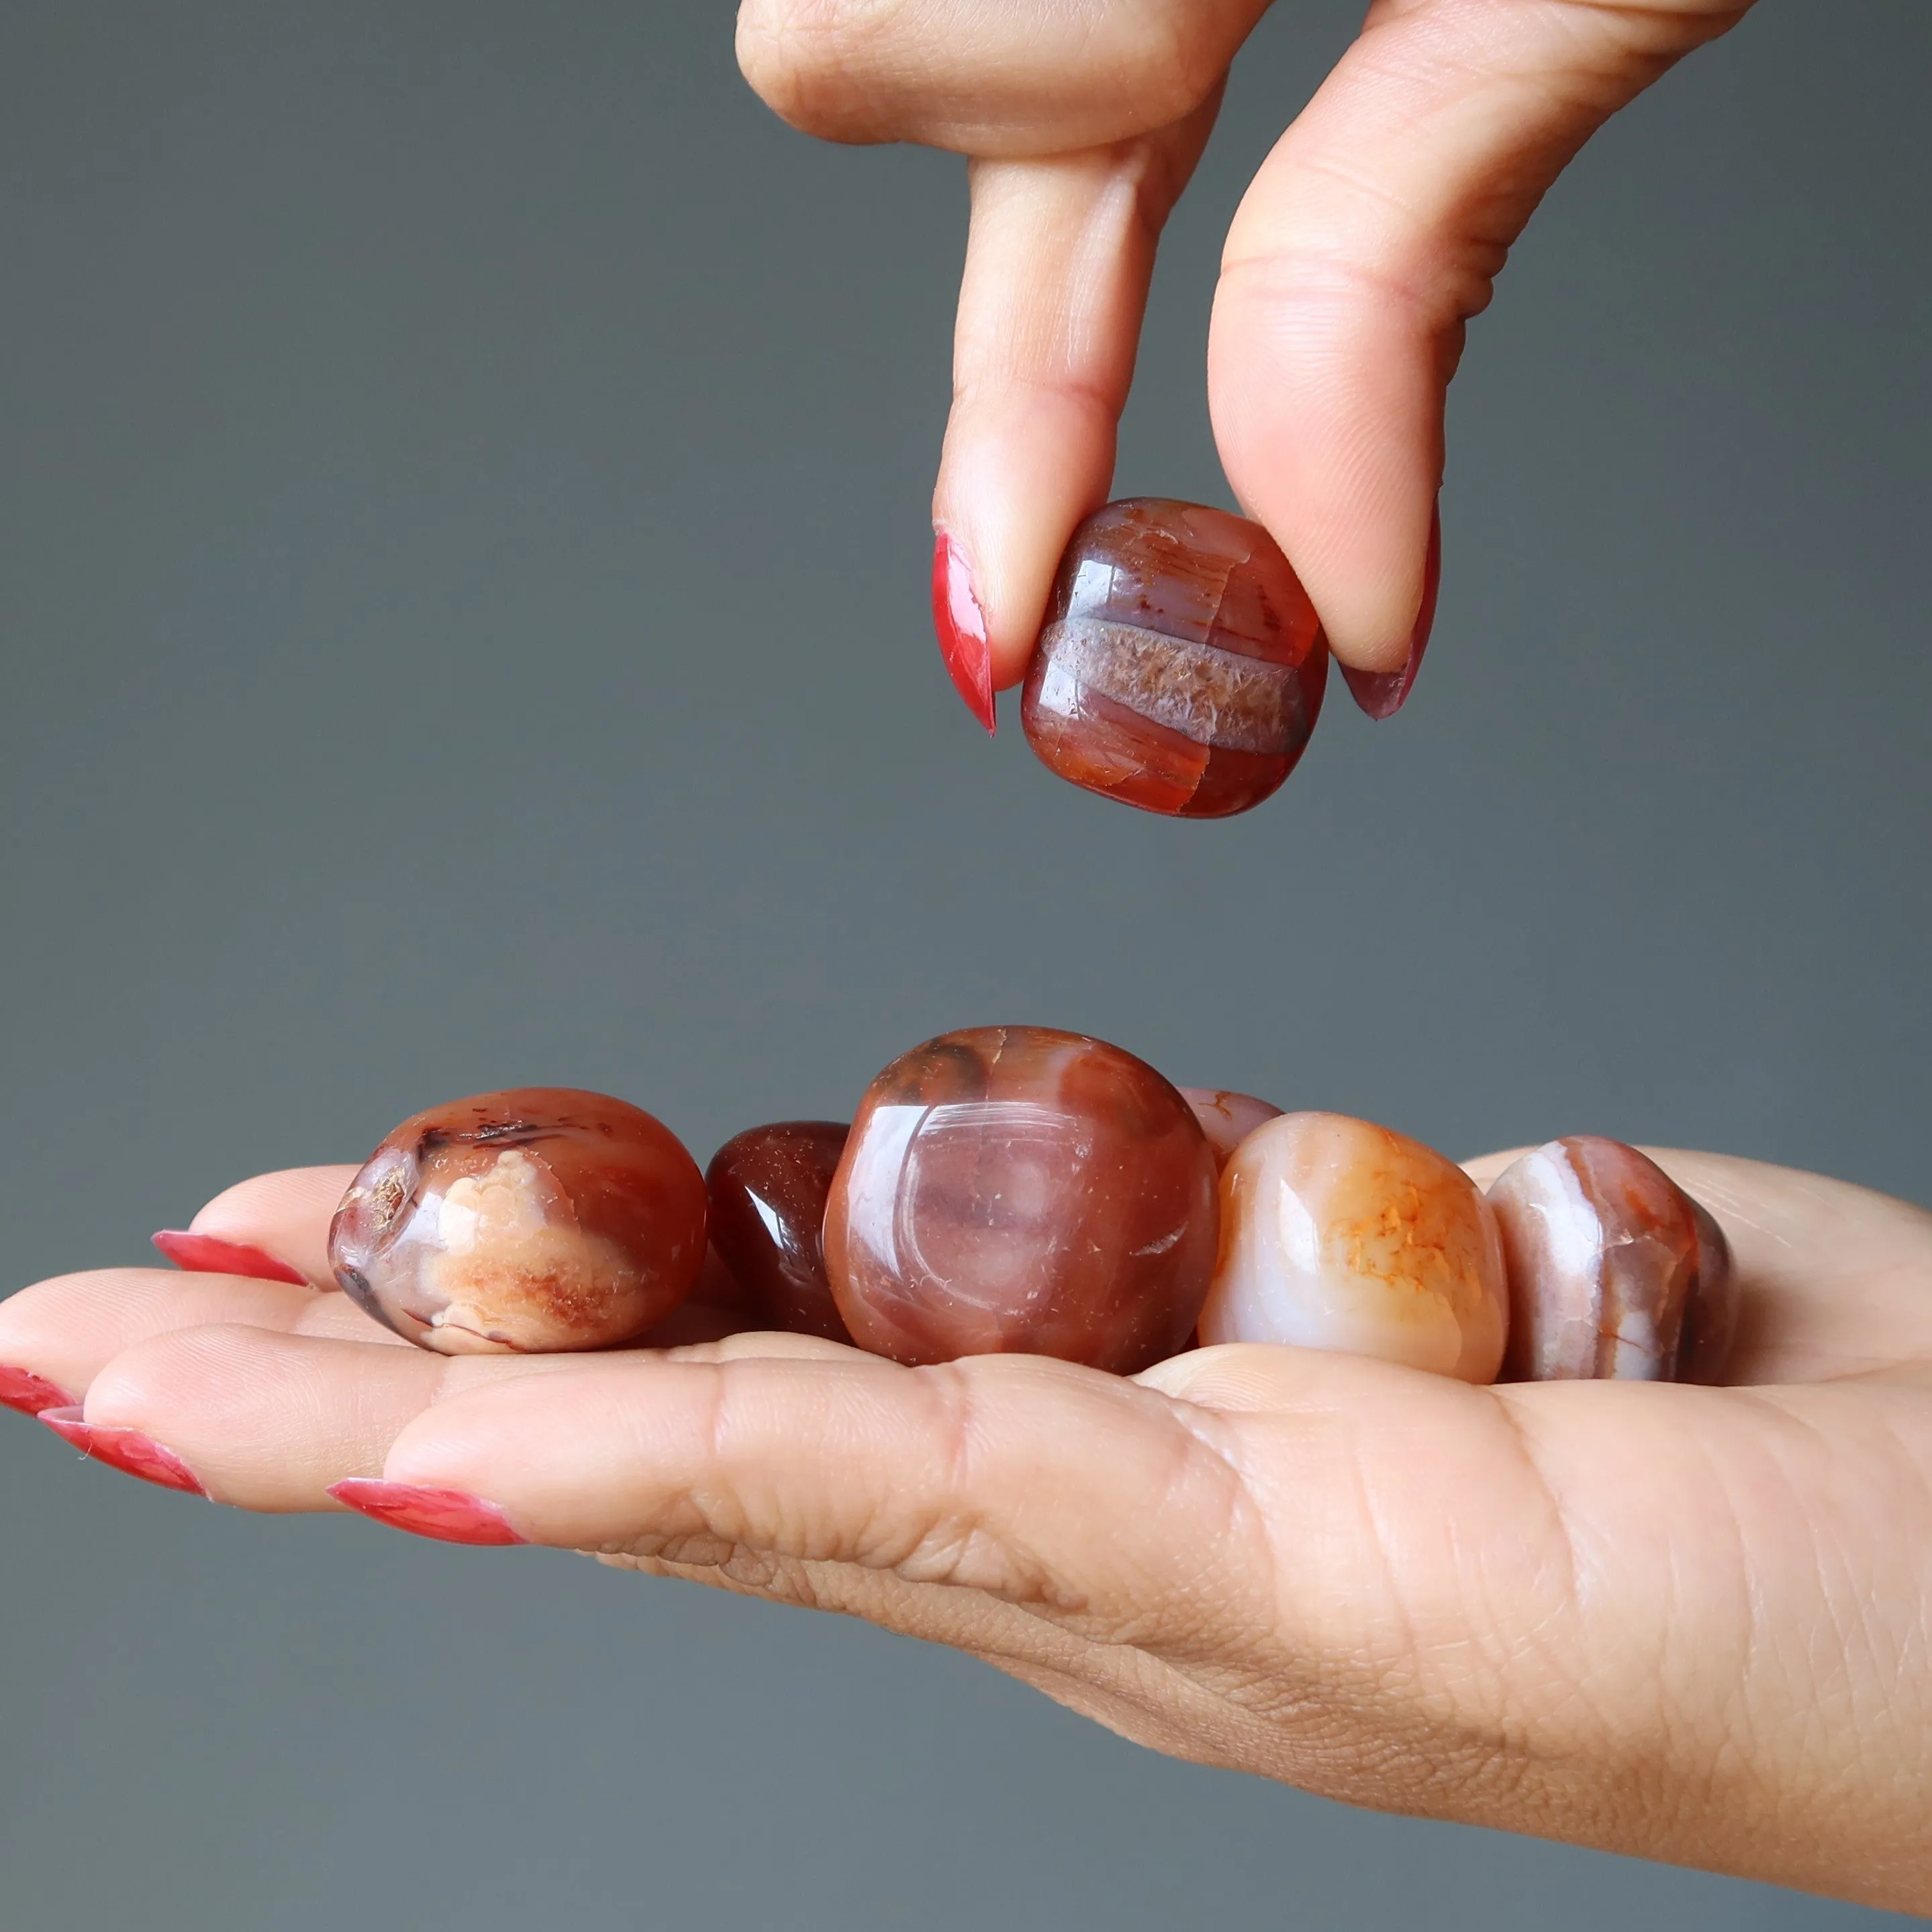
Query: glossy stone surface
x: 1338, y: 1235
x: 540, y: 1218
x: 1181, y: 667
x: 1613, y: 1269
x: 1711, y: 1316
x: 1014, y: 1188
x: 768, y: 1188
x: 1227, y: 1119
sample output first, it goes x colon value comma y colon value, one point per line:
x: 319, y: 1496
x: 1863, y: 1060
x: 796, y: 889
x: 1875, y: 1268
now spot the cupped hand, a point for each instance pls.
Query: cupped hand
x: 1686, y: 1623
x: 1371, y: 235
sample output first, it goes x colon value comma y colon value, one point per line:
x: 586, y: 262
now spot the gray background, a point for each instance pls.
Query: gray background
x: 463, y: 554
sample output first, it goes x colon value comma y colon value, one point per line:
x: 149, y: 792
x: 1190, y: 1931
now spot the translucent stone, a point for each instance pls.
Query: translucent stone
x: 1340, y: 1235
x: 1181, y: 667
x: 538, y: 1219
x: 768, y: 1188
x: 1227, y: 1119
x: 1616, y: 1274
x: 1014, y: 1188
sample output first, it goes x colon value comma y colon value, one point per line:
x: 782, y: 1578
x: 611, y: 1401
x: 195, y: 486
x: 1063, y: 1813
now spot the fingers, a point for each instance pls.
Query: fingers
x: 270, y: 1421
x: 267, y: 1421
x: 1368, y: 238
x: 1057, y: 264
x: 1000, y: 1474
x: 1086, y: 120
x: 1015, y: 77
x: 285, y: 1214
x: 66, y: 1330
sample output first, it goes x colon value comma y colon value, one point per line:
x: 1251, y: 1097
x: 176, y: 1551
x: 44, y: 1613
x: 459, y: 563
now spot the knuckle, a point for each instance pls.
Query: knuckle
x: 1171, y: 64
x: 808, y: 60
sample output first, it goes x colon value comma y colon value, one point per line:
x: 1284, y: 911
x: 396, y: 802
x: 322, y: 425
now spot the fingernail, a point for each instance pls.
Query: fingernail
x: 1381, y: 693
x: 209, y: 1254
x: 450, y: 1515
x: 127, y: 1450
x: 961, y: 626
x: 30, y: 1393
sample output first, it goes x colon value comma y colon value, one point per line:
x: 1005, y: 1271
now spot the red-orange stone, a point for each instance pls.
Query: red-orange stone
x: 1016, y: 1190
x: 540, y: 1218
x: 768, y: 1187
x: 1182, y: 667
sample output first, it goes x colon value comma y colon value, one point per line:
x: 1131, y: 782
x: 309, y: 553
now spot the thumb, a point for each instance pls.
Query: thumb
x: 1371, y: 235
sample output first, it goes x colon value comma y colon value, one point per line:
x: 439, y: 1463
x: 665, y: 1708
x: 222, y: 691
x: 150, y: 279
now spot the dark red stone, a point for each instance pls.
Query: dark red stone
x: 1181, y: 667
x: 768, y: 1187
x: 538, y: 1219
x: 1014, y: 1188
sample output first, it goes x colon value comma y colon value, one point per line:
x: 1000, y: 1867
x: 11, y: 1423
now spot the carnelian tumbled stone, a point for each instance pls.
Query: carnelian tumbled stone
x: 540, y: 1218
x: 1337, y: 1234
x: 768, y: 1188
x: 1228, y: 1119
x: 1616, y: 1274
x: 1016, y: 1190
x: 1182, y: 666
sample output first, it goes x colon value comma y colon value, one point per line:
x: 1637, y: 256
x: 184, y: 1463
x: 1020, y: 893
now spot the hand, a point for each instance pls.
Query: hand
x: 1371, y: 235
x: 1685, y: 1623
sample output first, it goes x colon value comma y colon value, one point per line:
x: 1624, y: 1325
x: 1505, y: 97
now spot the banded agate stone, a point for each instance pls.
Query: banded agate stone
x: 1181, y: 667
x: 540, y: 1218
x: 1616, y: 1274
x: 1227, y: 1119
x: 768, y: 1188
x: 1338, y: 1235
x: 1015, y: 1189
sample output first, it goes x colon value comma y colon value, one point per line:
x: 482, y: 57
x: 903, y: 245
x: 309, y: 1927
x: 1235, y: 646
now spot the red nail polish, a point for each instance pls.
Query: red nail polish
x: 30, y: 1393
x: 209, y: 1254
x: 961, y: 626
x: 450, y: 1515
x: 1381, y: 693
x: 127, y: 1450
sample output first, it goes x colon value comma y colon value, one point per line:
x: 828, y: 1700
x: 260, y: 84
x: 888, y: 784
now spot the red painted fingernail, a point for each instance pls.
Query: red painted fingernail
x: 961, y: 626
x: 127, y: 1450
x: 30, y: 1393
x: 209, y: 1254
x: 450, y: 1515
x: 1381, y: 693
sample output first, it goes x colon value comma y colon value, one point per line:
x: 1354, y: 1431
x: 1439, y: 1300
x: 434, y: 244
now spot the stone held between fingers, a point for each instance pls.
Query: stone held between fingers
x: 1181, y: 666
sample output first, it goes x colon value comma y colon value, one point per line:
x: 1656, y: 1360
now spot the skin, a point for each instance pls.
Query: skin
x: 1688, y: 1623
x: 1371, y: 235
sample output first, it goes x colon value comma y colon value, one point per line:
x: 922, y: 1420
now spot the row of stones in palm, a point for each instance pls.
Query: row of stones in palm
x: 1017, y: 1189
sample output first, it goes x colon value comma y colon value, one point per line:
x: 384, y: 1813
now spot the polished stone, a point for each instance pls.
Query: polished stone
x: 1338, y: 1235
x: 768, y: 1187
x: 1015, y: 1189
x: 540, y: 1218
x: 1616, y: 1274
x: 1711, y: 1316
x: 1181, y: 666
x: 1227, y: 1119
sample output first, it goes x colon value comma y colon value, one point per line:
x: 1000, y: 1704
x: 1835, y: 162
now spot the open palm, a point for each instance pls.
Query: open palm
x: 1687, y: 1623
